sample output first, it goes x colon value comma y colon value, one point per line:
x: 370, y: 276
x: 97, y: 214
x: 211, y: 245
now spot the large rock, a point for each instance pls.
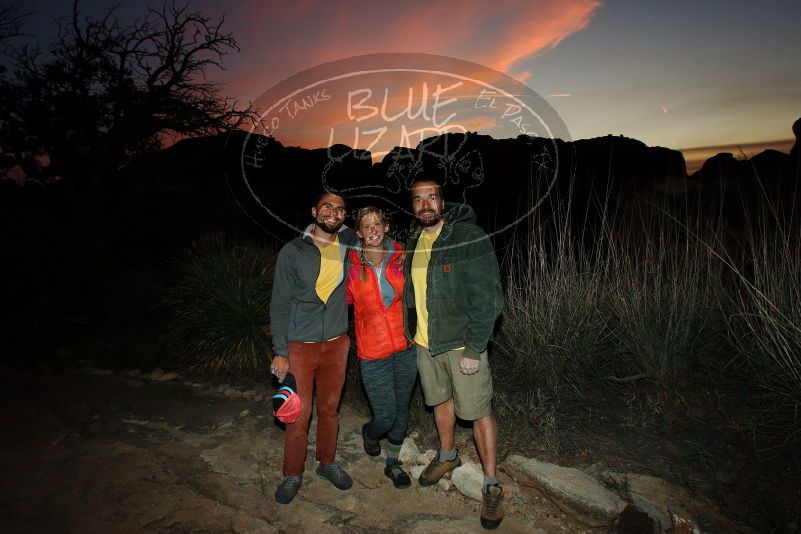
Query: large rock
x: 468, y: 479
x: 576, y: 492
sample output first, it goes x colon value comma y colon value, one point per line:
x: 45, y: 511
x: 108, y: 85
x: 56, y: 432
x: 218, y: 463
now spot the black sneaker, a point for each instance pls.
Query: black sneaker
x: 371, y: 446
x: 491, y: 506
x: 400, y: 479
x: 335, y: 475
x: 287, y: 489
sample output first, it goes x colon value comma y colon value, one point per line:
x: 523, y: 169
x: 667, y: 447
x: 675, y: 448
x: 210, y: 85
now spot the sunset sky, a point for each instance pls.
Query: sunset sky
x: 702, y: 77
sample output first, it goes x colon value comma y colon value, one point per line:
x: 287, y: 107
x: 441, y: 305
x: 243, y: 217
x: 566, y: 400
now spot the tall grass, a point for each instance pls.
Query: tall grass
x: 766, y: 331
x: 656, y: 295
x: 217, y: 308
x: 663, y: 298
x: 623, y: 306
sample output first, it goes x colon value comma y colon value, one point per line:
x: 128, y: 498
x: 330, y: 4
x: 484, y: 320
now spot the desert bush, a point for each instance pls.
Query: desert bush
x: 216, y: 310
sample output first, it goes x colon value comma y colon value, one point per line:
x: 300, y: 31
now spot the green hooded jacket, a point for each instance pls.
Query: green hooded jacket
x: 296, y: 312
x: 463, y: 286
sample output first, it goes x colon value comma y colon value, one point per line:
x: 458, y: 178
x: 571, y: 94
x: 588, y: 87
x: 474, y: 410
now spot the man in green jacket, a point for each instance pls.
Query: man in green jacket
x: 451, y: 306
x: 309, y: 325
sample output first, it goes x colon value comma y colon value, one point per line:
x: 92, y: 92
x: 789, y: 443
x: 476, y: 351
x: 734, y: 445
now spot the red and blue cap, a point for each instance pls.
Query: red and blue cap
x: 286, y: 402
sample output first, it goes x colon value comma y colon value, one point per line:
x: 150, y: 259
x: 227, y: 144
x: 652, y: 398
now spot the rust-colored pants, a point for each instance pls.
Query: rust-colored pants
x: 321, y: 365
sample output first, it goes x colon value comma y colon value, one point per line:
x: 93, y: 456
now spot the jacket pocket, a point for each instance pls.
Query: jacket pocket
x: 444, y: 278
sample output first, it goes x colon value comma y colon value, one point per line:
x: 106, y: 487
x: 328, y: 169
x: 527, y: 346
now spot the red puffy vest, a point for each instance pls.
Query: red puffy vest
x: 379, y: 330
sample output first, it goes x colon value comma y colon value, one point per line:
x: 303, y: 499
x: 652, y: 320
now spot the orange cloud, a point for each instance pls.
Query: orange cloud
x: 279, y: 40
x: 539, y: 27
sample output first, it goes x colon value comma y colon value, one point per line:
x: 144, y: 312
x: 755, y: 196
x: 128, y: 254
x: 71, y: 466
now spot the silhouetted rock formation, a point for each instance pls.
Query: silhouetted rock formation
x: 737, y: 187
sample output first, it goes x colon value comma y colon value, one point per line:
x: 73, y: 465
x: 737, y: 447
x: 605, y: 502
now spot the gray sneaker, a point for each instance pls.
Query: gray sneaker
x: 287, y: 489
x: 335, y: 475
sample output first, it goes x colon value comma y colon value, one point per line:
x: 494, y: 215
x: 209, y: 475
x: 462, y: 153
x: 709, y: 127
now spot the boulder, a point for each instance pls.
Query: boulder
x: 576, y: 492
x: 445, y: 484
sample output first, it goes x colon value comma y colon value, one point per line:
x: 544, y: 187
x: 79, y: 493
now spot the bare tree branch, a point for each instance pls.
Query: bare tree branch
x: 108, y: 90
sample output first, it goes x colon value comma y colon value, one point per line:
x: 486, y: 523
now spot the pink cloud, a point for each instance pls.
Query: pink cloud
x: 540, y: 27
x: 280, y: 39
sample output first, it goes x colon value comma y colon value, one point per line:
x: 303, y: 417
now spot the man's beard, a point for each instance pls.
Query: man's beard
x: 429, y: 221
x: 326, y: 228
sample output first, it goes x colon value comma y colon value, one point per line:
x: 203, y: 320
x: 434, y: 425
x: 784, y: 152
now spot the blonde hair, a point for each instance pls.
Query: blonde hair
x: 357, y: 222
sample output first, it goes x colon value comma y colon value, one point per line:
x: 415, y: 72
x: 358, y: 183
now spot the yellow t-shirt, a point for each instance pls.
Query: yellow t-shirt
x: 422, y: 255
x: 330, y: 269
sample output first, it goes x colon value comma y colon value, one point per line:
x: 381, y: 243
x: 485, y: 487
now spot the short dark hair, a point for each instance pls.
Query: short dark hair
x: 429, y: 179
x: 320, y: 196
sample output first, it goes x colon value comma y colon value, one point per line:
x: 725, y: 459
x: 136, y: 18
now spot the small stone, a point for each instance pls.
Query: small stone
x: 156, y: 373
x: 430, y: 454
x: 409, y: 451
x: 244, y: 413
x: 416, y: 470
x: 682, y: 525
x: 249, y: 394
x: 445, y: 484
x: 509, y: 486
x: 232, y: 393
x: 415, y: 435
x: 165, y: 377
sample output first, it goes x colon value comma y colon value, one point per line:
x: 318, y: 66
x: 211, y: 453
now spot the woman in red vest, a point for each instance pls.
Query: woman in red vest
x: 388, y: 362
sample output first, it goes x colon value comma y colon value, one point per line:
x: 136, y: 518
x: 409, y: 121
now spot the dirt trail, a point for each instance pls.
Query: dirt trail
x: 95, y: 453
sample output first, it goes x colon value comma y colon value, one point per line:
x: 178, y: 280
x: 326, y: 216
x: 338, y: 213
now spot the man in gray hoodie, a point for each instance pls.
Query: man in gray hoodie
x: 309, y: 324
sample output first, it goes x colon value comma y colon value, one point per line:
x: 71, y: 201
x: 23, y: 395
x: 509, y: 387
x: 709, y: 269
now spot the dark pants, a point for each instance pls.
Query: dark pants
x: 389, y: 384
x: 321, y: 365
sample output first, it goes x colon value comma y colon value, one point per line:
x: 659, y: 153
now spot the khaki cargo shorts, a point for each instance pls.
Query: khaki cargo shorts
x: 442, y: 379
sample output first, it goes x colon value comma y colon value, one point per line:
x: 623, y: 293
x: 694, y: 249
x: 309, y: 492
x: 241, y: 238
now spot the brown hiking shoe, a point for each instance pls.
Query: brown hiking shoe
x: 491, y: 506
x: 434, y: 471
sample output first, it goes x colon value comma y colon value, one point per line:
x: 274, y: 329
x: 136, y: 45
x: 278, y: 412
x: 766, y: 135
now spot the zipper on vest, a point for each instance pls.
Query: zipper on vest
x: 377, y: 291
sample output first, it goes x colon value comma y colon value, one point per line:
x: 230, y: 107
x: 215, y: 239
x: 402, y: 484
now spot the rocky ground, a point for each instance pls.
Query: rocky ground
x: 93, y: 451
